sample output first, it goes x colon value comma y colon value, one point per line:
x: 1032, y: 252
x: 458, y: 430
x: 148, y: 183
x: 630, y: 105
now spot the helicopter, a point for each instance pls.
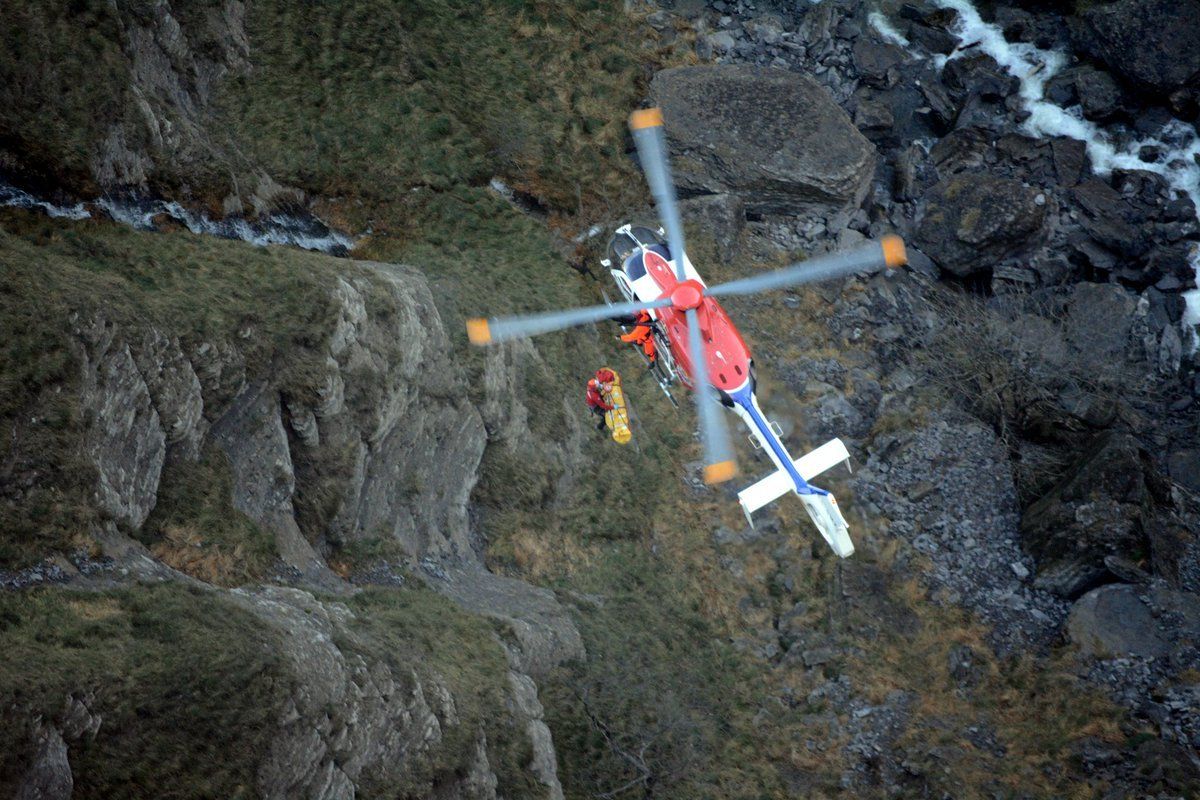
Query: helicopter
x: 699, y: 344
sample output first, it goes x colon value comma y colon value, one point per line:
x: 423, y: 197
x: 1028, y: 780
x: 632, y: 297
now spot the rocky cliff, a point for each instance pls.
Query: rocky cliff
x: 358, y: 435
x: 266, y: 506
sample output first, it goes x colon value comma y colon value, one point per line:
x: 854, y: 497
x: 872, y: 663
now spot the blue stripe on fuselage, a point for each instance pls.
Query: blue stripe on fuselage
x: 743, y: 398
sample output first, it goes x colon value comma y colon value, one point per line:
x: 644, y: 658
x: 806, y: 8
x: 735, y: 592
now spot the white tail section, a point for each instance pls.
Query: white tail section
x: 823, y: 509
x: 825, y: 514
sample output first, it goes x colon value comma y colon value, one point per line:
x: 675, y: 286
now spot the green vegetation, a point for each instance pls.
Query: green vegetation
x: 663, y: 705
x: 374, y: 98
x: 195, y: 528
x: 272, y: 306
x: 188, y: 685
x: 417, y: 629
x: 63, y: 83
x: 396, y: 115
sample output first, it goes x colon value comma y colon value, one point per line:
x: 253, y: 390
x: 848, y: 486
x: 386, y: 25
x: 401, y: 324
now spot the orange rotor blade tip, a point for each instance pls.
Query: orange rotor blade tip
x: 893, y: 251
x: 720, y: 472
x: 478, y: 331
x: 646, y: 118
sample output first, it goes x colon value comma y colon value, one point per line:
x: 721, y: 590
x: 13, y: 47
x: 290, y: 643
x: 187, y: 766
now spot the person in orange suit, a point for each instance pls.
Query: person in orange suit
x: 642, y: 334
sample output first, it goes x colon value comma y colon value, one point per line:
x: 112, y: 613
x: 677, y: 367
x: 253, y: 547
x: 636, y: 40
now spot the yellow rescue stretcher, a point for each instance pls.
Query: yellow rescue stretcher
x: 617, y: 419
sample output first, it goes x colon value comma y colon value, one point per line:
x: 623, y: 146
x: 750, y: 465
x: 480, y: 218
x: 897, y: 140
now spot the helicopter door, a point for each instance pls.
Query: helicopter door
x: 623, y: 284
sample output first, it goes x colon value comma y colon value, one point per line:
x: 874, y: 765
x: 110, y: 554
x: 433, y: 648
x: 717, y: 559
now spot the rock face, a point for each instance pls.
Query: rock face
x: 354, y: 721
x: 49, y: 777
x: 1099, y: 509
x: 174, y: 82
x: 973, y: 221
x: 545, y: 635
x: 388, y: 432
x: 126, y: 441
x: 380, y: 431
x: 774, y: 138
x: 372, y: 441
x: 1153, y: 44
x: 152, y: 124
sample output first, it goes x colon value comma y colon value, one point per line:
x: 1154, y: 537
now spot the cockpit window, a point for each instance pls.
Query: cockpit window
x: 635, y: 268
x: 620, y: 247
x: 647, y: 236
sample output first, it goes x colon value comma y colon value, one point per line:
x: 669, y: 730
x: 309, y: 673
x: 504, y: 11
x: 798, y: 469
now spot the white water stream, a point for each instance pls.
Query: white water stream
x: 12, y: 196
x: 308, y: 233
x: 1178, y: 142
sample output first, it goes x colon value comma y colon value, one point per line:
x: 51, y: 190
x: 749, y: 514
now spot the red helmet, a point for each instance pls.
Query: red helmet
x: 592, y: 384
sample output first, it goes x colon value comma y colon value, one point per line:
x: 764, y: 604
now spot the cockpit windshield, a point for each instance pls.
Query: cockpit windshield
x: 647, y: 236
x: 619, y: 249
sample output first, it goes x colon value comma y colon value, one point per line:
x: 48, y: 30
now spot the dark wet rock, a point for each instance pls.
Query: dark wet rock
x: 932, y: 39
x: 873, y: 115
x: 1098, y: 509
x: 774, y: 138
x: 1099, y: 321
x: 1169, y: 262
x: 1184, y: 467
x: 1061, y: 89
x: 978, y: 75
x: 943, y: 106
x: 960, y: 150
x: 877, y: 62
x: 1099, y: 94
x: 1017, y: 23
x: 1091, y: 253
x: 1151, y: 44
x: 973, y: 221
x: 1110, y: 220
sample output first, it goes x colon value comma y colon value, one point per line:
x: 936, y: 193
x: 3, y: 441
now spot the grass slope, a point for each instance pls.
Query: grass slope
x: 189, y: 687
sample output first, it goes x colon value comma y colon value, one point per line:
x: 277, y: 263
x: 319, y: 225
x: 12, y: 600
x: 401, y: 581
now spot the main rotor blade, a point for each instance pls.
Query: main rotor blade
x: 714, y: 434
x: 647, y: 127
x: 887, y: 252
x: 499, y: 329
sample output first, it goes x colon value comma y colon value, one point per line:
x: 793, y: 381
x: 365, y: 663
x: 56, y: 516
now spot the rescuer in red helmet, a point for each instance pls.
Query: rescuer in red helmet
x: 596, y: 389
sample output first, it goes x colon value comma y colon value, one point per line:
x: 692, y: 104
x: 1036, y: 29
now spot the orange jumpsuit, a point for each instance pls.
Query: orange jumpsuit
x: 643, y: 335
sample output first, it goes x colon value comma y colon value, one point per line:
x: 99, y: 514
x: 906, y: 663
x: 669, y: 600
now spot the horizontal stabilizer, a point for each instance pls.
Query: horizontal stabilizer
x: 779, y: 483
x: 822, y: 508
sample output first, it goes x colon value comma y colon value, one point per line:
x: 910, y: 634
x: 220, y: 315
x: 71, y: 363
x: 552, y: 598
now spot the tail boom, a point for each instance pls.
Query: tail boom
x: 793, y: 475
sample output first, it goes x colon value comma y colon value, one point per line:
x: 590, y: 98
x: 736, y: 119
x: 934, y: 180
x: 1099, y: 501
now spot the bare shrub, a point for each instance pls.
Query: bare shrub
x: 1032, y: 366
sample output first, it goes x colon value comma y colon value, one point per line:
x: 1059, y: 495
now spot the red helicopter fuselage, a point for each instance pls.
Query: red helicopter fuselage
x: 727, y: 353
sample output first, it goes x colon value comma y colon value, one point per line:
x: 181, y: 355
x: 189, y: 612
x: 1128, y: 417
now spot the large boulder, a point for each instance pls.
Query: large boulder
x: 1153, y: 44
x: 1099, y: 509
x: 973, y: 221
x: 1113, y: 621
x: 774, y: 138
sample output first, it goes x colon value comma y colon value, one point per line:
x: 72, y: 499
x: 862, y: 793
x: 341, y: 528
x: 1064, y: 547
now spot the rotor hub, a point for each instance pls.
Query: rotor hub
x: 687, y: 295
